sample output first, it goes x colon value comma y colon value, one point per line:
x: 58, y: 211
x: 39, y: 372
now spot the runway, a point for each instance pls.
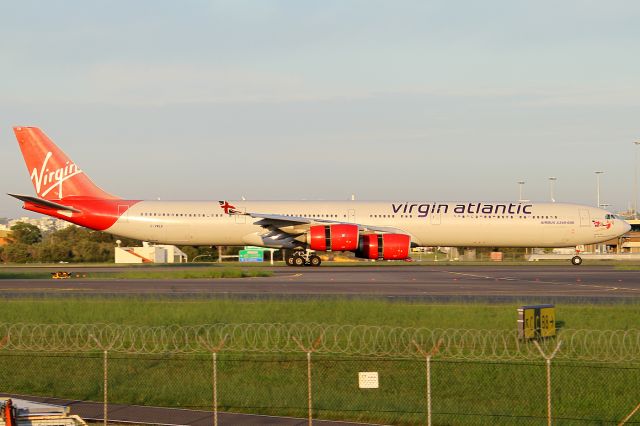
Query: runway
x: 492, y: 283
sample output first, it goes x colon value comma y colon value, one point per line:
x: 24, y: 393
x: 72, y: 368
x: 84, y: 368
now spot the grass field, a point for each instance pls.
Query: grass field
x: 144, y: 311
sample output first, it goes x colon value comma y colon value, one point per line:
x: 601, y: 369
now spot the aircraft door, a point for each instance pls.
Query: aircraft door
x: 584, y: 217
x: 351, y: 216
x: 436, y: 218
x: 241, y: 218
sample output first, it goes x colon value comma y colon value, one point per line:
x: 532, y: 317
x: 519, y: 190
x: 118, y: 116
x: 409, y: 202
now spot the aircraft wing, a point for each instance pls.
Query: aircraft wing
x: 298, y: 225
x: 279, y: 219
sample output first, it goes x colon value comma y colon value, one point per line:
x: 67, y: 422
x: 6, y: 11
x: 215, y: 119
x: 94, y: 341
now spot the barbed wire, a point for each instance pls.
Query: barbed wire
x: 364, y: 340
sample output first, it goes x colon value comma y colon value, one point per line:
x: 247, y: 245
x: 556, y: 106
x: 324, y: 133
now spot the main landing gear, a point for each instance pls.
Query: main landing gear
x: 303, y: 258
x: 576, y: 260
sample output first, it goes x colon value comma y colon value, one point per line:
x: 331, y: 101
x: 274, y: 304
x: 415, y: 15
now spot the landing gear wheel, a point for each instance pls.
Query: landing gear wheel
x: 298, y: 261
x: 576, y: 260
x: 289, y: 260
x: 315, y: 260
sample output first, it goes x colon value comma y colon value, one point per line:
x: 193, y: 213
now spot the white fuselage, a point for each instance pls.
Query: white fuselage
x: 428, y: 223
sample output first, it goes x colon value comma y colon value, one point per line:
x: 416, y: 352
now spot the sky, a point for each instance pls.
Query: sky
x: 290, y: 100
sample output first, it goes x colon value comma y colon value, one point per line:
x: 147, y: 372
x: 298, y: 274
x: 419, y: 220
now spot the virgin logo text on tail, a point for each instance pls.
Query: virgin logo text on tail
x: 45, y: 180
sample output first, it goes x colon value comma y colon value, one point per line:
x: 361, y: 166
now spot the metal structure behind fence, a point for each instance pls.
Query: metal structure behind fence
x: 376, y: 341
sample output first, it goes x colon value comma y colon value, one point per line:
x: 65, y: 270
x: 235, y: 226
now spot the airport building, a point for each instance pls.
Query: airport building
x: 44, y: 224
x: 148, y: 253
x: 630, y: 243
x: 625, y: 244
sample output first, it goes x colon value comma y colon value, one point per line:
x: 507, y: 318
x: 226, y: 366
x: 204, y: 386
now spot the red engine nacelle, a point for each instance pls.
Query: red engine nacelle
x: 384, y: 246
x: 338, y: 237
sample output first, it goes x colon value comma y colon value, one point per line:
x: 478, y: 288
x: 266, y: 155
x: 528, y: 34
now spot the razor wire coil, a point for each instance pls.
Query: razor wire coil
x: 335, y: 339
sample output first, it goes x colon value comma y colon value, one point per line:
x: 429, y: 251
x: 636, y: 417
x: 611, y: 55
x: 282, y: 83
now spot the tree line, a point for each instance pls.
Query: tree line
x: 28, y: 244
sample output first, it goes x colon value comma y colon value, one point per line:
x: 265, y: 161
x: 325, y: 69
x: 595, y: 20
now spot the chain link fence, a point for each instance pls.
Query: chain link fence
x: 440, y: 377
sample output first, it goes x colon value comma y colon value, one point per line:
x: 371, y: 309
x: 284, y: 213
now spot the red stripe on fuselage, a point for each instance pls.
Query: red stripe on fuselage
x: 95, y: 214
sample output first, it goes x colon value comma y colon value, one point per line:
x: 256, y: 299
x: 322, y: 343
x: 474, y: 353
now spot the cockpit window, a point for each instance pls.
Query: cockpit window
x: 611, y: 216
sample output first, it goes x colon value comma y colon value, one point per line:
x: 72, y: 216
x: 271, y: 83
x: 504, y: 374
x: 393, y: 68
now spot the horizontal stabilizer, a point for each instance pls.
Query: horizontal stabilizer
x: 44, y: 203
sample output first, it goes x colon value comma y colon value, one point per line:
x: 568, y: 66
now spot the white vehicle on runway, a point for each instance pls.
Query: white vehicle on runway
x: 373, y: 230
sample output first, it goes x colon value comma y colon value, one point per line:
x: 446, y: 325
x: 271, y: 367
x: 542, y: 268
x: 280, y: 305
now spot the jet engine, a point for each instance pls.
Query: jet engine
x: 337, y: 237
x: 384, y: 246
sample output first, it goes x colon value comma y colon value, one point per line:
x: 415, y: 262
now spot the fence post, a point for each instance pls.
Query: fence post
x: 312, y: 348
x: 214, y: 376
x: 626, y: 419
x: 427, y: 355
x: 548, y: 359
x: 105, y: 382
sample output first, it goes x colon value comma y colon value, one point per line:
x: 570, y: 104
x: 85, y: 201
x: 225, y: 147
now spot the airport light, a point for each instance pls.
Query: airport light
x: 521, y: 184
x: 635, y: 187
x: 600, y: 246
x: 552, y: 182
x: 598, y: 173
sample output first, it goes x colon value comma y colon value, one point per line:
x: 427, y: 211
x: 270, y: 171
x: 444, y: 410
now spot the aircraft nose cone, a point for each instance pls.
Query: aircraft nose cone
x: 626, y: 227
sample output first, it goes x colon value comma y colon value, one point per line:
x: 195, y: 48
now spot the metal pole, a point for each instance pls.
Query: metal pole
x: 105, y: 349
x: 428, y: 390
x: 598, y: 187
x: 104, y: 410
x: 309, y: 386
x: 214, y: 370
x: 548, y: 392
x: 635, y: 187
x: 598, y: 246
x: 520, y: 191
x: 427, y: 356
x: 548, y: 359
x: 552, y: 181
x: 626, y: 419
x: 313, y: 347
x: 520, y: 183
x: 215, y: 388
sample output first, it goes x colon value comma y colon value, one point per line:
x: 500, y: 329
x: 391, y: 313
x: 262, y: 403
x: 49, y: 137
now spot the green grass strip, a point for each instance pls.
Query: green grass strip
x: 200, y: 273
x: 158, y: 312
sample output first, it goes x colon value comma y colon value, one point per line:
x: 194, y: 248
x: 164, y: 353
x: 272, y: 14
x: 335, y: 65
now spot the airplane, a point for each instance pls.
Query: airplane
x: 370, y: 229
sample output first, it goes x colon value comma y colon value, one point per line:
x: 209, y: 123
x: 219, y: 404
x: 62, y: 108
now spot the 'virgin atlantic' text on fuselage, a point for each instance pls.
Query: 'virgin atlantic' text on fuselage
x: 425, y: 209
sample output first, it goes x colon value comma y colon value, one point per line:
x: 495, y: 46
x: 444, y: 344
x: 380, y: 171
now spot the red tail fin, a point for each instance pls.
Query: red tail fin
x: 53, y: 174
